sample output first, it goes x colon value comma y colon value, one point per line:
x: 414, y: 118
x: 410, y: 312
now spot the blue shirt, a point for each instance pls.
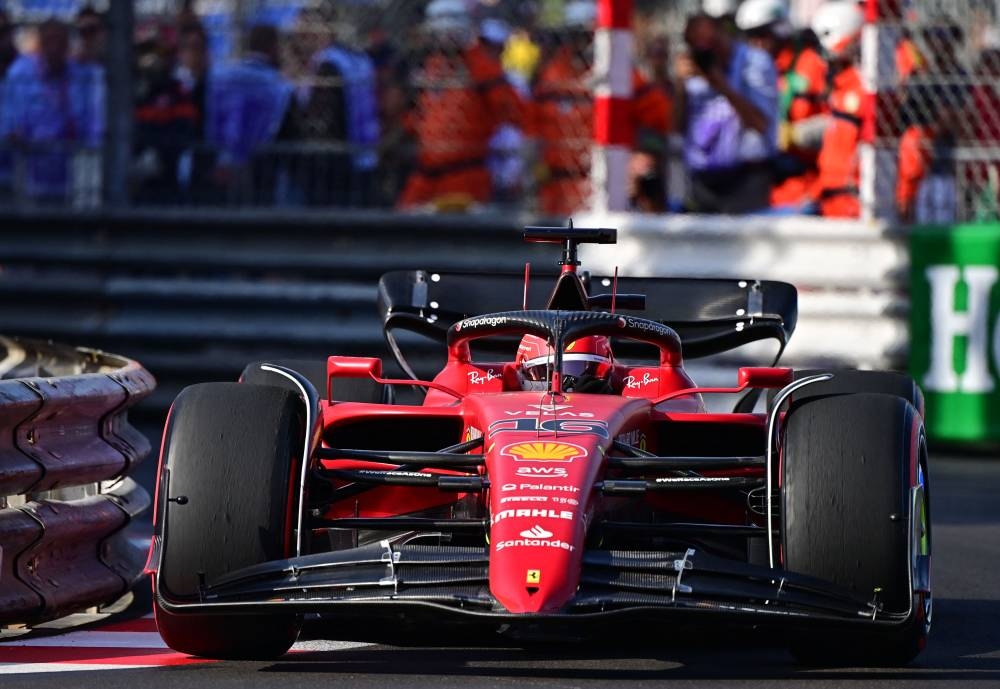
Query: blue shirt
x: 357, y: 71
x: 39, y: 109
x: 246, y: 103
x: 715, y: 137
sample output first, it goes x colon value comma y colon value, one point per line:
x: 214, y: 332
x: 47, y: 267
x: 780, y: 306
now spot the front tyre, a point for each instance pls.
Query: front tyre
x: 227, y: 501
x: 855, y: 511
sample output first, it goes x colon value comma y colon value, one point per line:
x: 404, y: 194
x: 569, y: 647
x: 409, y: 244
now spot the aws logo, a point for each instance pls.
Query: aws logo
x: 542, y: 451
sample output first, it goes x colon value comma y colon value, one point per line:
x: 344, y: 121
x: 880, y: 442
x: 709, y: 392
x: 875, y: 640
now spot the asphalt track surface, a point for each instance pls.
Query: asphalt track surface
x: 964, y: 650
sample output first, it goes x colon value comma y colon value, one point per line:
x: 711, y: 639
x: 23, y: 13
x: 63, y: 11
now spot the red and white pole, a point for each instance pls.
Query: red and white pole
x: 613, y: 135
x: 868, y: 167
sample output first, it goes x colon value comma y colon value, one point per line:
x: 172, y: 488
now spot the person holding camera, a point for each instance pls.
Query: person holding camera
x: 727, y: 109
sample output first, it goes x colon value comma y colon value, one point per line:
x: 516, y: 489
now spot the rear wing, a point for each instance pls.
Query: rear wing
x: 711, y: 315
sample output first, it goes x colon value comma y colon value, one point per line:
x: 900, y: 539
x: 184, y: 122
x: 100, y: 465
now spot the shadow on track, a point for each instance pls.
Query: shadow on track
x: 964, y: 647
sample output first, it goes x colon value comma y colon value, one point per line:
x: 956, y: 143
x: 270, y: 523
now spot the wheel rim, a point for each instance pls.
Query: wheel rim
x: 921, y: 546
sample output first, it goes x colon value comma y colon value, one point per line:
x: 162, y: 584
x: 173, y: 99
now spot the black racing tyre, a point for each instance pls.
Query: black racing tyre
x: 852, y: 465
x: 344, y: 389
x: 230, y: 456
x: 847, y: 381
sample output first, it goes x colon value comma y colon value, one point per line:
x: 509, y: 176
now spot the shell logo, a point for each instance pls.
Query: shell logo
x: 544, y: 452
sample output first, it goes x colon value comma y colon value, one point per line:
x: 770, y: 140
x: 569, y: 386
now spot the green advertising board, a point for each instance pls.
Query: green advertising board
x: 955, y: 329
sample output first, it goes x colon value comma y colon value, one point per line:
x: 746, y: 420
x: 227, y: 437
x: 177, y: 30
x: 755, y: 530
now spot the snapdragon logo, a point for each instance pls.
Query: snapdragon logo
x: 972, y: 324
x: 491, y: 321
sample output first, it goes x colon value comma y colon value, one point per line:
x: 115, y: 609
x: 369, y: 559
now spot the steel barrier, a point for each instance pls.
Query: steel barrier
x: 66, y: 449
x: 195, y: 296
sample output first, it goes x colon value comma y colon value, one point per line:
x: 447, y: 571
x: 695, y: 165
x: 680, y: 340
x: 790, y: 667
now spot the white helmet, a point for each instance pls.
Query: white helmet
x: 580, y: 14
x: 719, y: 8
x: 837, y: 24
x: 759, y: 14
x: 447, y: 16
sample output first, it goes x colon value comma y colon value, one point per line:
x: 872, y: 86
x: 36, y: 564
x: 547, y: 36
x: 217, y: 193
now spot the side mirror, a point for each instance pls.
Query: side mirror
x: 764, y: 377
x: 350, y: 367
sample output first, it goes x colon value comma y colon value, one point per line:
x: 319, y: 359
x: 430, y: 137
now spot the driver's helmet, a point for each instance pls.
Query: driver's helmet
x: 586, y: 364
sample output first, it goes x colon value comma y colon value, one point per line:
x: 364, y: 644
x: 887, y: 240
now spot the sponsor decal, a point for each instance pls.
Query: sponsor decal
x: 482, y: 321
x: 536, y: 532
x: 634, y: 383
x: 539, y: 498
x: 535, y: 543
x: 375, y: 472
x: 535, y: 425
x: 550, y: 410
x: 539, y: 486
x: 634, y: 438
x: 482, y: 377
x: 543, y: 451
x: 533, y: 576
x: 645, y: 326
x: 533, y: 514
x: 693, y: 479
x: 542, y: 472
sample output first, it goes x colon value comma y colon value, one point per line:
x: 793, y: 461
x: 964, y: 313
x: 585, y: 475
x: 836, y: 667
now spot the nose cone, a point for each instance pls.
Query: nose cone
x: 538, y: 499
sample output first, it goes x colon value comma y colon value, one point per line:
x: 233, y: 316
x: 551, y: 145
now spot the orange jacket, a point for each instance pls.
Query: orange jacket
x: 801, y: 83
x: 838, y: 156
x: 914, y: 156
x: 459, y: 106
x: 563, y: 112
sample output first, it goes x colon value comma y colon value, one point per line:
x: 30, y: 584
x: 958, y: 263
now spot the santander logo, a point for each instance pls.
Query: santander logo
x: 536, y: 532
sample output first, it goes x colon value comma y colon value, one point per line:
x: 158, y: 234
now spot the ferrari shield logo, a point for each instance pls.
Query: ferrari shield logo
x: 534, y: 576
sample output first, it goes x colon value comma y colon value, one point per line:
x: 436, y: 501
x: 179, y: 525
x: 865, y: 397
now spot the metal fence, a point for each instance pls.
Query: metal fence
x: 378, y: 103
x: 938, y: 113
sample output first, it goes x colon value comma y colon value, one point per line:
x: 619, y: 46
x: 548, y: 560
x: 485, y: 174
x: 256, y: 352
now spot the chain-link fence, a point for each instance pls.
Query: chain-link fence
x: 938, y: 112
x: 440, y: 104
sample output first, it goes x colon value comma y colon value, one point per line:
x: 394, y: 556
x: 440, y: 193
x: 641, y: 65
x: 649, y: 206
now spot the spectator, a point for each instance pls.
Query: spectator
x: 727, y: 105
x: 249, y: 105
x: 564, y: 113
x: 506, y: 156
x: 8, y: 55
x: 167, y: 121
x: 342, y: 107
x: 196, y: 164
x: 463, y: 97
x: 801, y: 98
x: 986, y: 133
x: 91, y: 37
x: 8, y: 50
x: 838, y: 24
x: 50, y: 105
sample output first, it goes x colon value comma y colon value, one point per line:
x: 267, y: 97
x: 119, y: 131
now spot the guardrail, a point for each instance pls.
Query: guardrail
x: 196, y: 295
x: 66, y: 449
x: 852, y: 277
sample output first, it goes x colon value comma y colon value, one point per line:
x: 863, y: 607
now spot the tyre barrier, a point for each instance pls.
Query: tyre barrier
x: 66, y: 449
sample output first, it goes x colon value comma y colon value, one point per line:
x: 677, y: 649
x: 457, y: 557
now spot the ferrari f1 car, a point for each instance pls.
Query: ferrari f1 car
x: 541, y: 497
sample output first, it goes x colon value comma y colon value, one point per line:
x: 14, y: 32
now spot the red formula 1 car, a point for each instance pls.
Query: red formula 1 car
x: 563, y: 493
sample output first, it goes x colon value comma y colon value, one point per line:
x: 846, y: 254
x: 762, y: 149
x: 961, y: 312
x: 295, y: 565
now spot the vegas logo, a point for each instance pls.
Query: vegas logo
x: 544, y: 452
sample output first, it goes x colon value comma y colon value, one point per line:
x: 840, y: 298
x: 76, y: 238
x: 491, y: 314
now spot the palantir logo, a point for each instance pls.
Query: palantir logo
x: 536, y: 532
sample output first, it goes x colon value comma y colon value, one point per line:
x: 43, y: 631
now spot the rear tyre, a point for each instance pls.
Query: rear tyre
x: 344, y: 389
x: 855, y: 512
x: 232, y: 452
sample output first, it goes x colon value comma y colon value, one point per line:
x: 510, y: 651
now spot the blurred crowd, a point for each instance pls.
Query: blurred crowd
x: 461, y: 103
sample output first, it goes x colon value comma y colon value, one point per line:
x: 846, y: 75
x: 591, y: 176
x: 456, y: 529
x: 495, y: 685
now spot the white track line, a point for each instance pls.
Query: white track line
x: 94, y: 639
x: 27, y: 668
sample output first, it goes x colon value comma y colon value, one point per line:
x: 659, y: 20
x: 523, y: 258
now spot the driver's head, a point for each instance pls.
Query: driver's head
x: 586, y: 364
